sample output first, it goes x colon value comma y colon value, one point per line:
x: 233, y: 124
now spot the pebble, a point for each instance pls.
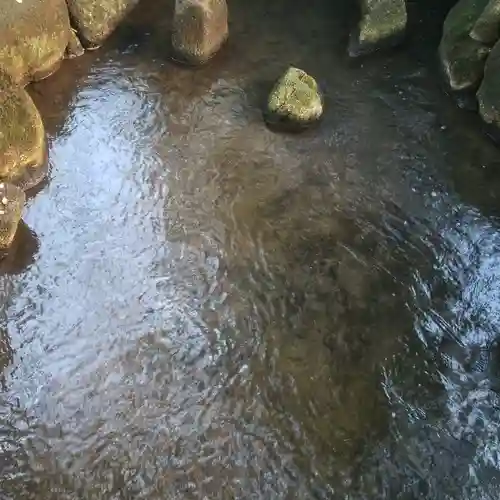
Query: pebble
x: 5, y: 200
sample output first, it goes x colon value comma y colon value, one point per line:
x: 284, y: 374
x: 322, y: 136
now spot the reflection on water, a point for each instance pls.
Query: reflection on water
x: 217, y: 311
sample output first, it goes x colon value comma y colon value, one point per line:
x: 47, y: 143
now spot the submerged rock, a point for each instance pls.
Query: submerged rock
x: 487, y: 28
x: 488, y: 94
x: 12, y: 201
x: 382, y: 24
x: 33, y: 37
x: 23, y: 149
x: 295, y: 101
x: 462, y: 57
x: 95, y: 20
x: 199, y: 30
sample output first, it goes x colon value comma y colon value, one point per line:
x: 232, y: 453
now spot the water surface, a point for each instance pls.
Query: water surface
x: 202, y: 308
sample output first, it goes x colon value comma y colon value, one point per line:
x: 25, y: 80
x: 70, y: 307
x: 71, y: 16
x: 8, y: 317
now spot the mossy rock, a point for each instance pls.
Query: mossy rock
x: 487, y: 28
x: 23, y: 148
x: 488, y: 95
x: 295, y: 101
x: 463, y: 58
x: 12, y: 200
x: 200, y: 28
x: 33, y: 38
x: 95, y: 20
x: 382, y: 24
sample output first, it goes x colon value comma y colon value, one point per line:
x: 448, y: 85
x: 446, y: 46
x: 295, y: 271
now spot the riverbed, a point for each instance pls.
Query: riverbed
x: 199, y: 307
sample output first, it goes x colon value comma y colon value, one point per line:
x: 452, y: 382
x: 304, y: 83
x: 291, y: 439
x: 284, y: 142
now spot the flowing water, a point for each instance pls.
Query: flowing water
x: 201, y: 308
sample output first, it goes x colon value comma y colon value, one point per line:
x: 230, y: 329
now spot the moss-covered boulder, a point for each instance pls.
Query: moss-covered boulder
x: 462, y: 57
x: 23, y: 151
x: 199, y: 29
x: 488, y: 94
x: 382, y: 24
x: 12, y: 201
x: 95, y: 20
x: 487, y: 28
x: 33, y: 37
x: 295, y: 101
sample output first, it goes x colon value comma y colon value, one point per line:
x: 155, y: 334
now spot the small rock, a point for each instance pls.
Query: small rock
x: 23, y: 149
x: 462, y: 58
x: 10, y: 213
x: 382, y: 24
x: 75, y: 47
x: 200, y: 28
x: 295, y: 100
x: 96, y: 20
x: 487, y: 28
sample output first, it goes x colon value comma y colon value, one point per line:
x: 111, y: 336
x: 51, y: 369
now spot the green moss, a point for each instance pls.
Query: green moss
x: 22, y: 136
x: 296, y: 97
x: 462, y: 58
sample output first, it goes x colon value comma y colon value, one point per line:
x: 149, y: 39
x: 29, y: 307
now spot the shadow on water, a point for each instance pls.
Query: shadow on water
x: 218, y: 311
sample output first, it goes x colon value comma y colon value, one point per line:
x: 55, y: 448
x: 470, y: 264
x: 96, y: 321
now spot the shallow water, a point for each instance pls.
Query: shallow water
x: 202, y: 308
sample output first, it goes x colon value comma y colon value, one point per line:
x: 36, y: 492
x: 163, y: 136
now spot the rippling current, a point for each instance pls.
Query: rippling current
x: 198, y: 307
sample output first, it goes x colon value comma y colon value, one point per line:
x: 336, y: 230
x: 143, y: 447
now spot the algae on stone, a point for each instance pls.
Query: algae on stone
x: 487, y: 28
x: 383, y: 23
x: 33, y: 37
x: 23, y: 148
x: 199, y: 29
x: 95, y: 20
x: 295, y: 98
x: 488, y: 95
x: 462, y: 58
x: 12, y: 201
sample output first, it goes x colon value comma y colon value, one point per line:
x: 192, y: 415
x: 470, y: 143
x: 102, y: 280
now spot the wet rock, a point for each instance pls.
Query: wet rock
x: 33, y: 37
x: 488, y: 94
x: 75, y: 47
x: 295, y: 101
x: 382, y: 24
x: 487, y: 28
x: 95, y: 20
x: 199, y: 29
x: 12, y: 201
x: 462, y: 57
x: 23, y: 149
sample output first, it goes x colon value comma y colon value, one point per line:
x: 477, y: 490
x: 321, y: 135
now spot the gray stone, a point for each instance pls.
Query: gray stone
x: 382, y: 24
x: 463, y: 58
x: 199, y: 29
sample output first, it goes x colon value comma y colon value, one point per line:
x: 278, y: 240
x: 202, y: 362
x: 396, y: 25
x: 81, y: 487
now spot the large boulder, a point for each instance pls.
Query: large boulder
x: 23, y: 150
x: 199, y: 29
x: 295, y: 101
x: 487, y: 28
x: 488, y: 95
x: 12, y: 201
x: 462, y: 57
x: 95, y: 20
x: 33, y: 37
x: 382, y: 24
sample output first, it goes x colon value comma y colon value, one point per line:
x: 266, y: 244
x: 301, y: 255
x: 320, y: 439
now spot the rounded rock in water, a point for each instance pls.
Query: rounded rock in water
x: 295, y: 101
x: 199, y: 30
x: 12, y: 201
x: 23, y: 148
